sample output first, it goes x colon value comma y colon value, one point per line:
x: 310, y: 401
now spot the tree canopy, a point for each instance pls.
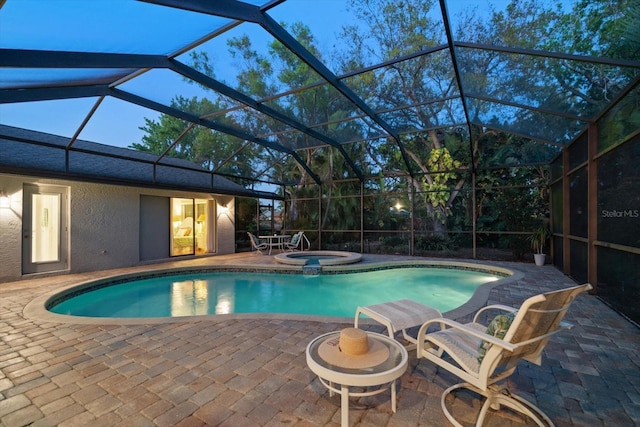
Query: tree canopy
x: 432, y: 147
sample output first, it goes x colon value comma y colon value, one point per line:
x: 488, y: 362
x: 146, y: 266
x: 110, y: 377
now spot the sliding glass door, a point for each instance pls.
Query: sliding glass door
x: 191, y: 232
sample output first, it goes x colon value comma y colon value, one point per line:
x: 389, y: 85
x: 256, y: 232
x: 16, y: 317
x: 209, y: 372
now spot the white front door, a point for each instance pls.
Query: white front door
x: 44, y: 229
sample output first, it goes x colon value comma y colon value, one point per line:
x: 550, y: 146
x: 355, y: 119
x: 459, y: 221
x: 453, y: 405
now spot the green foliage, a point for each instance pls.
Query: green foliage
x: 538, y: 238
x: 442, y: 177
x: 511, y: 181
x: 395, y: 244
x: 198, y: 144
x: 621, y: 121
x: 435, y: 242
x: 513, y: 210
x: 245, y: 213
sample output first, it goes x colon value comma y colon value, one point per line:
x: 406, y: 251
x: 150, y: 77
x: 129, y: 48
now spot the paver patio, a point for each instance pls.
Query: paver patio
x: 247, y: 371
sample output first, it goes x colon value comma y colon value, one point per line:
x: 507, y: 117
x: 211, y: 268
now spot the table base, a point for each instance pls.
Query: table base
x: 344, y: 393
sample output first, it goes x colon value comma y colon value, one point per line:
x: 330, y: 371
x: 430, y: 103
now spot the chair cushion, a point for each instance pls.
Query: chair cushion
x: 498, y: 328
x: 294, y: 239
x: 460, y: 345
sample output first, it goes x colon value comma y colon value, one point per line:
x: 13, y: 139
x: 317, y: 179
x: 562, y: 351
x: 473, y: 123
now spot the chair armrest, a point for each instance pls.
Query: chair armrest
x: 501, y: 307
x: 422, y: 335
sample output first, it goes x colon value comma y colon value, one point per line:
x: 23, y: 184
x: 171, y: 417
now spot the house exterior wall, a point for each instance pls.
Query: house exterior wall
x: 11, y: 229
x: 226, y: 235
x: 104, y: 224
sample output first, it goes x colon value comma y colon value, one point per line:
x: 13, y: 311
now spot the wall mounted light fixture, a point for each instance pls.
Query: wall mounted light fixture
x: 5, y: 202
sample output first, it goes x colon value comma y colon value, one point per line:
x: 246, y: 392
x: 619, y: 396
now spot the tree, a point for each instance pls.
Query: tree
x: 395, y: 29
x: 398, y: 28
x: 263, y: 76
x: 200, y: 145
x: 418, y: 97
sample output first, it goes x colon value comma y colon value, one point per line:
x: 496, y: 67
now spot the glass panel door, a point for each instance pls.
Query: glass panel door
x: 44, y: 229
x: 202, y: 228
x: 183, y: 231
x: 191, y: 228
x: 45, y: 226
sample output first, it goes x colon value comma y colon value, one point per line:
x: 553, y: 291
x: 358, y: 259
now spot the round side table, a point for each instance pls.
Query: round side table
x: 385, y: 373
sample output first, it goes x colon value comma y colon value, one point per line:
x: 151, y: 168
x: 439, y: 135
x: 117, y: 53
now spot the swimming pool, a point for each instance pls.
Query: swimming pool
x: 246, y: 292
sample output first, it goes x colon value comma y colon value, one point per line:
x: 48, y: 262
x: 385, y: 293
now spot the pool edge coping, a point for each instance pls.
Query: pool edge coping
x: 36, y: 308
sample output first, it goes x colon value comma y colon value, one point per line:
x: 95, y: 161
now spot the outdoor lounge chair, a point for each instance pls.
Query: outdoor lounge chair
x: 397, y: 316
x: 256, y: 244
x: 482, y: 356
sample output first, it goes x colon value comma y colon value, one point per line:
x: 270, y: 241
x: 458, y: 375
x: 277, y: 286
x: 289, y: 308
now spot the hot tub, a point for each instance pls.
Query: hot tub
x: 318, y: 258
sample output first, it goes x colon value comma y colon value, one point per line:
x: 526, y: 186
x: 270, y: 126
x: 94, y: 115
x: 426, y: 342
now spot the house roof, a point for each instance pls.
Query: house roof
x: 29, y: 152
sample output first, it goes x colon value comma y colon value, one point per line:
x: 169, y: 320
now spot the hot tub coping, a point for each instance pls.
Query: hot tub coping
x: 295, y: 258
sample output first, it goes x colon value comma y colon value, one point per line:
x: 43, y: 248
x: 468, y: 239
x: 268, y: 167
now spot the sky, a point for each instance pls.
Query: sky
x: 115, y: 122
x: 75, y: 23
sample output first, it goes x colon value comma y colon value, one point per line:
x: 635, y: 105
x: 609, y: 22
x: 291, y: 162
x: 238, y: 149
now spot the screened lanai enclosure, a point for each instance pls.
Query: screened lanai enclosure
x: 438, y: 128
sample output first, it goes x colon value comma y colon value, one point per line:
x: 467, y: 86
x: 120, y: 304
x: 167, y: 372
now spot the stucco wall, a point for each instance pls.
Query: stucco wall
x: 11, y: 229
x: 226, y: 243
x: 104, y: 226
x: 104, y: 232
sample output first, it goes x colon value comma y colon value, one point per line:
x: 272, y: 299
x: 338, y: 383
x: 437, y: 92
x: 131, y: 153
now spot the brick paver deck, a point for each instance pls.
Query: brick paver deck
x: 245, y: 371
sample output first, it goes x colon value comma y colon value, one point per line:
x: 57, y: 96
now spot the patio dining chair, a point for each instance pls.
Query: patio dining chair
x: 295, y: 241
x: 483, y: 355
x: 256, y: 244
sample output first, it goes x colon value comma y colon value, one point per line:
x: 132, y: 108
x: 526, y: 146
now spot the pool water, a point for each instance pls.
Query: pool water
x: 245, y: 292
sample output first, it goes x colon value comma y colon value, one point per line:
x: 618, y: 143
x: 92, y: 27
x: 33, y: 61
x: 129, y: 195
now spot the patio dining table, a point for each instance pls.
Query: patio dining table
x: 276, y: 240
